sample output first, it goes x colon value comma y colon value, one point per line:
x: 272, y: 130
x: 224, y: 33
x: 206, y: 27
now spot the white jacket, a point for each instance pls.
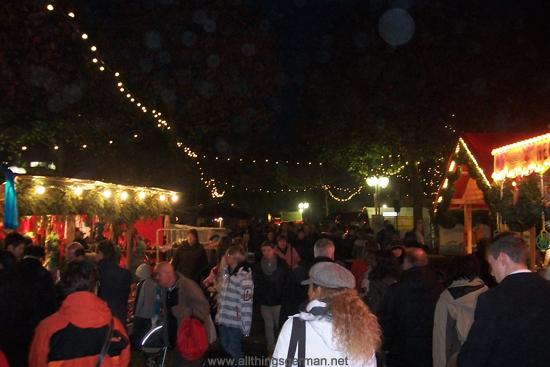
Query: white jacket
x: 319, y: 343
x: 454, y: 317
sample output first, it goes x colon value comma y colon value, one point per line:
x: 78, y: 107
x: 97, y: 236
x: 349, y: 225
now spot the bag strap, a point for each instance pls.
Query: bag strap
x: 297, y: 338
x: 106, y: 343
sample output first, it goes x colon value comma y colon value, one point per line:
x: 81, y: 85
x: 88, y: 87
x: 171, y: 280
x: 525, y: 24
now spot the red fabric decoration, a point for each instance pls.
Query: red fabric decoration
x: 192, y: 339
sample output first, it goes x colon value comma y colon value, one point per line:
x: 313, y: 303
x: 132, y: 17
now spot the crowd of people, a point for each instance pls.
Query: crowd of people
x: 344, y: 294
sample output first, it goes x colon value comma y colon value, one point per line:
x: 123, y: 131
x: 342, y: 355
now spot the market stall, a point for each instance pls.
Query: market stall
x: 521, y: 169
x: 52, y: 208
x: 461, y: 209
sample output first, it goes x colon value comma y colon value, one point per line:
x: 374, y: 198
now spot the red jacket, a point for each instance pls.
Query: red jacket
x: 74, y: 335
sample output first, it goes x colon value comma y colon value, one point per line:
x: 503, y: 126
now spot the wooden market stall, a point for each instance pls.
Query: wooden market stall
x: 52, y: 207
x: 467, y: 180
x: 520, y: 168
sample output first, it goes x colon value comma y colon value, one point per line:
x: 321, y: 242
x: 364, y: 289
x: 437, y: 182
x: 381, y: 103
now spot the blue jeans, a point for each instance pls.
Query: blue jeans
x: 231, y: 342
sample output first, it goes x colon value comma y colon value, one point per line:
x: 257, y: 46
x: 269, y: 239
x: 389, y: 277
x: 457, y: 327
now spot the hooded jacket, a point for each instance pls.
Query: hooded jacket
x: 74, y: 335
x: 235, y: 298
x: 407, y: 317
x: 145, y: 305
x: 454, y: 315
x: 320, y: 346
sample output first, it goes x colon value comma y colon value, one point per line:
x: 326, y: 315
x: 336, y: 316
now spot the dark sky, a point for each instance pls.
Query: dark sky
x: 247, y: 78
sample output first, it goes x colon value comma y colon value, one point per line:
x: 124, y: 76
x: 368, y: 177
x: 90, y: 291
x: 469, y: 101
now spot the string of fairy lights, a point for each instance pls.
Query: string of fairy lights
x: 393, y: 169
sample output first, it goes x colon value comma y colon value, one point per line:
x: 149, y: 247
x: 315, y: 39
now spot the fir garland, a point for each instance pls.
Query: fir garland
x: 59, y: 199
x: 527, y: 211
x: 53, y: 259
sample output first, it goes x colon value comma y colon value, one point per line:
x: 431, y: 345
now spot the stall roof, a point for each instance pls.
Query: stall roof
x: 479, y: 147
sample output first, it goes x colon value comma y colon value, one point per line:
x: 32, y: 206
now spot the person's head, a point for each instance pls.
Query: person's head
x: 192, y: 237
x: 268, y: 250
x: 36, y: 251
x: 324, y: 247
x: 326, y: 278
x: 464, y: 267
x: 165, y: 274
x: 270, y: 236
x: 397, y: 250
x: 281, y: 241
x: 7, y: 259
x: 14, y: 242
x: 223, y: 245
x: 307, y: 229
x: 506, y: 253
x: 355, y: 329
x: 371, y: 246
x: 75, y: 252
x: 385, y: 265
x: 419, y: 225
x: 386, y: 223
x: 143, y: 271
x: 79, y: 277
x: 214, y: 240
x: 301, y: 234
x: 415, y: 257
x: 234, y: 256
x: 105, y: 250
x: 239, y: 241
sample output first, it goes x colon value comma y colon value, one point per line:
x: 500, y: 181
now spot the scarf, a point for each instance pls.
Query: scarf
x: 269, y: 266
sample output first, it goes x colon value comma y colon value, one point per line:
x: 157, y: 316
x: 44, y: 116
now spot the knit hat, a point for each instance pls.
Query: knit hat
x: 330, y: 275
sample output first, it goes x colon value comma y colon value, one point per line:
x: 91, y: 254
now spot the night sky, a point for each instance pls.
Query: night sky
x: 280, y: 80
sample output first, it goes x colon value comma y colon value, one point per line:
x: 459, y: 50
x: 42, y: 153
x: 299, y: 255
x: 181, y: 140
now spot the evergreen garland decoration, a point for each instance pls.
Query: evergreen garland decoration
x: 527, y: 212
x: 52, y: 245
x: 60, y: 198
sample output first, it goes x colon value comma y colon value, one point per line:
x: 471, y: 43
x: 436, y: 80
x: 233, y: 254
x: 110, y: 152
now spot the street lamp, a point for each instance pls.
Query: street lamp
x: 301, y: 208
x: 377, y: 183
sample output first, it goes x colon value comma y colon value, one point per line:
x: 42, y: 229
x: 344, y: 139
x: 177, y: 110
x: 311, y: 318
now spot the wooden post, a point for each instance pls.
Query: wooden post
x: 532, y: 249
x: 468, y: 227
x: 129, y: 247
x: 70, y: 228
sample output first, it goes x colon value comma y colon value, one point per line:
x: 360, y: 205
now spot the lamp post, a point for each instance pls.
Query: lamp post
x: 301, y: 208
x: 377, y: 183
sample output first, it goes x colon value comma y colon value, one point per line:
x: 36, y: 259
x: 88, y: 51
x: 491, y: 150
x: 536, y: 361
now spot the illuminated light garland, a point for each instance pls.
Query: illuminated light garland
x: 78, y: 187
x: 341, y: 200
x: 479, y: 170
x: 521, y: 171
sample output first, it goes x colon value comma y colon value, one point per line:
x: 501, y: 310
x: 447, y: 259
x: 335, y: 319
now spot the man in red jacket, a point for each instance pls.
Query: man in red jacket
x: 74, y: 335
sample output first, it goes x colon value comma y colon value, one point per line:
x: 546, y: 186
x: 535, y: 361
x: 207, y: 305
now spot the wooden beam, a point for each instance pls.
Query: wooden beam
x: 468, y: 228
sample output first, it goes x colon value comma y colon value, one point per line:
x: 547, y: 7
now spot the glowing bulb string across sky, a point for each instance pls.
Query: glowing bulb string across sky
x: 164, y: 125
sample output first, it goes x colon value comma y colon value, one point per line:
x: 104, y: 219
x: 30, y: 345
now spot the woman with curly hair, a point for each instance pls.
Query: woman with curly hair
x: 337, y: 327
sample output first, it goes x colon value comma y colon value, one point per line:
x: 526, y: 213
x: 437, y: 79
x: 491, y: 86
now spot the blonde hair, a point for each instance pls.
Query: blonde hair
x: 355, y: 330
x: 237, y: 252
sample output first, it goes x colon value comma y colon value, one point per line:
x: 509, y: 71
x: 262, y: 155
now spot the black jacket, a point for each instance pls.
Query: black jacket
x: 511, y: 325
x: 115, y: 288
x: 42, y: 289
x: 269, y: 288
x: 407, y: 318
x: 191, y: 261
